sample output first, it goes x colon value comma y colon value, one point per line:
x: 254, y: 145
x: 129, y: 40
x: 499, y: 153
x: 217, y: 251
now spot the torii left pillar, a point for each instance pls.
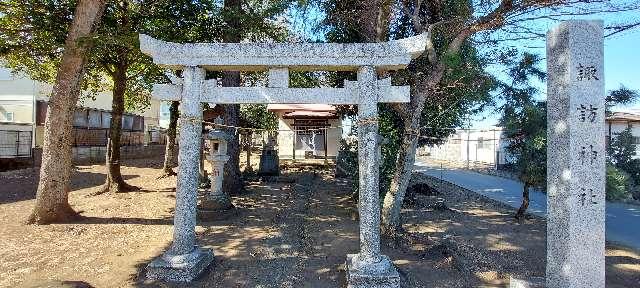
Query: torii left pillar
x: 184, y: 261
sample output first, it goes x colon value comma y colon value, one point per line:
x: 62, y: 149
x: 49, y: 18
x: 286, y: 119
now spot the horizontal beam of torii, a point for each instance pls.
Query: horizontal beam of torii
x: 392, y: 55
x: 281, y: 95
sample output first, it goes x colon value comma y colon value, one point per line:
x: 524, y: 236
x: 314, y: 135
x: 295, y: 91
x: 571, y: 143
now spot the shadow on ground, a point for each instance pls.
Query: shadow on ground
x: 295, y: 232
x: 22, y: 185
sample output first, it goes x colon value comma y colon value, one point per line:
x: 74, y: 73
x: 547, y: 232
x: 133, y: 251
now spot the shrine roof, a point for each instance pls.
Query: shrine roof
x: 217, y: 134
x: 623, y: 116
x: 301, y: 107
x: 390, y: 55
x: 310, y: 114
x: 304, y: 110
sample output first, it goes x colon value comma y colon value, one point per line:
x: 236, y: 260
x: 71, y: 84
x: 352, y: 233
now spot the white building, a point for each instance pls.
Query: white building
x: 619, y: 121
x: 23, y: 106
x: 314, y: 128
x: 477, y: 146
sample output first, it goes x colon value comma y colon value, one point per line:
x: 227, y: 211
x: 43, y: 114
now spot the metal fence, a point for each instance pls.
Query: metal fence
x: 14, y: 144
x: 469, y: 148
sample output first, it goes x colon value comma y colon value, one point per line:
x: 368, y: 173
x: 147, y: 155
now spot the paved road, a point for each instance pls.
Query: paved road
x: 622, y: 223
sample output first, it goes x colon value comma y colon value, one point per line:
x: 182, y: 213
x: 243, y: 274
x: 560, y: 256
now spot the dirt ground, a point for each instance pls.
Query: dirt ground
x: 294, y: 232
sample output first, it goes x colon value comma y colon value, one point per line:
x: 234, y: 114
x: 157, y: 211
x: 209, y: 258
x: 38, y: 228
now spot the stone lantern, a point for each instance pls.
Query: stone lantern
x: 216, y: 204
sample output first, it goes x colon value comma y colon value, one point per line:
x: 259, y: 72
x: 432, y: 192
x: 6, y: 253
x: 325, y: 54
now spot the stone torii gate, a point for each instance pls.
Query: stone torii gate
x: 185, y: 260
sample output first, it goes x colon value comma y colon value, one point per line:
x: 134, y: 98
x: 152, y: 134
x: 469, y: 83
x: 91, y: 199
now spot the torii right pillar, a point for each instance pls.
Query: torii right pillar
x: 369, y: 268
x: 576, y: 156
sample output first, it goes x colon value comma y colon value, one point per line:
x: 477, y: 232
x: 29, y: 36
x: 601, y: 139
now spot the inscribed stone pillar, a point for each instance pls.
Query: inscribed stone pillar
x: 185, y: 260
x: 576, y: 156
x: 369, y: 268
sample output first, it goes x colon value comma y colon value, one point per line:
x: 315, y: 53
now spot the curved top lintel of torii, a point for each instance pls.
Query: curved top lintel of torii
x: 392, y: 55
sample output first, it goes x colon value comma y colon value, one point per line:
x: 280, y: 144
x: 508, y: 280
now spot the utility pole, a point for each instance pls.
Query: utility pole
x: 495, y: 152
x: 468, y: 139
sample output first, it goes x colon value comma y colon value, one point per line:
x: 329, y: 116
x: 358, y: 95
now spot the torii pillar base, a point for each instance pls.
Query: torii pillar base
x: 377, y: 275
x: 180, y: 268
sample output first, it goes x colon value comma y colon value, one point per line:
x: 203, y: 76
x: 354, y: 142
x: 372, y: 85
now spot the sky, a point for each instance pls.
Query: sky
x: 621, y: 53
x: 621, y: 62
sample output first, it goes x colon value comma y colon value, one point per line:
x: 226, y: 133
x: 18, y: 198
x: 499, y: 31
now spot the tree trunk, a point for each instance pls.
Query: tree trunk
x: 525, y: 202
x: 248, y: 137
x: 232, y: 184
x: 421, y: 89
x: 374, y: 20
x: 392, y: 203
x: 52, y: 203
x: 204, y: 176
x: 114, y: 182
x: 170, y: 156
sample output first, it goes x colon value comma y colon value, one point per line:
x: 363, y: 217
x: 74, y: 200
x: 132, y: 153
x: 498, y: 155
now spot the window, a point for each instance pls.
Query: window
x: 127, y: 122
x: 80, y: 118
x: 5, y: 74
x: 106, y: 119
x: 165, y: 113
x: 485, y: 143
x: 95, y: 118
x: 8, y: 116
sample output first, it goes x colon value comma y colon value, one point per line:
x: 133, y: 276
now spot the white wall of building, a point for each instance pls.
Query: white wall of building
x: 286, y: 138
x: 617, y: 127
x: 483, y: 146
x: 164, y: 114
x: 18, y: 96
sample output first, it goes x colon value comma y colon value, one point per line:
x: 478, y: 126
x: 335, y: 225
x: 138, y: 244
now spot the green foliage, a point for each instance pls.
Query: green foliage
x: 390, y: 128
x: 184, y: 21
x: 464, y: 89
x: 528, y: 143
x: 34, y: 43
x: 257, y: 116
x: 621, y: 149
x: 468, y: 90
x: 33, y: 34
x: 305, y: 79
x: 621, y: 154
x: 341, y: 22
x: 632, y: 168
x: 347, y: 159
x: 525, y: 120
x: 617, y: 184
x: 621, y: 96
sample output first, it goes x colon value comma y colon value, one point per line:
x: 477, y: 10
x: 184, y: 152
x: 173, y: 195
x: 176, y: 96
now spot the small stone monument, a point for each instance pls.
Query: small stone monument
x: 269, y: 160
x: 216, y: 205
x: 576, y: 156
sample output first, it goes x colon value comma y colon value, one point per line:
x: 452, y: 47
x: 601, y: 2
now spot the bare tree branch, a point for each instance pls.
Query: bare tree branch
x: 621, y: 28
